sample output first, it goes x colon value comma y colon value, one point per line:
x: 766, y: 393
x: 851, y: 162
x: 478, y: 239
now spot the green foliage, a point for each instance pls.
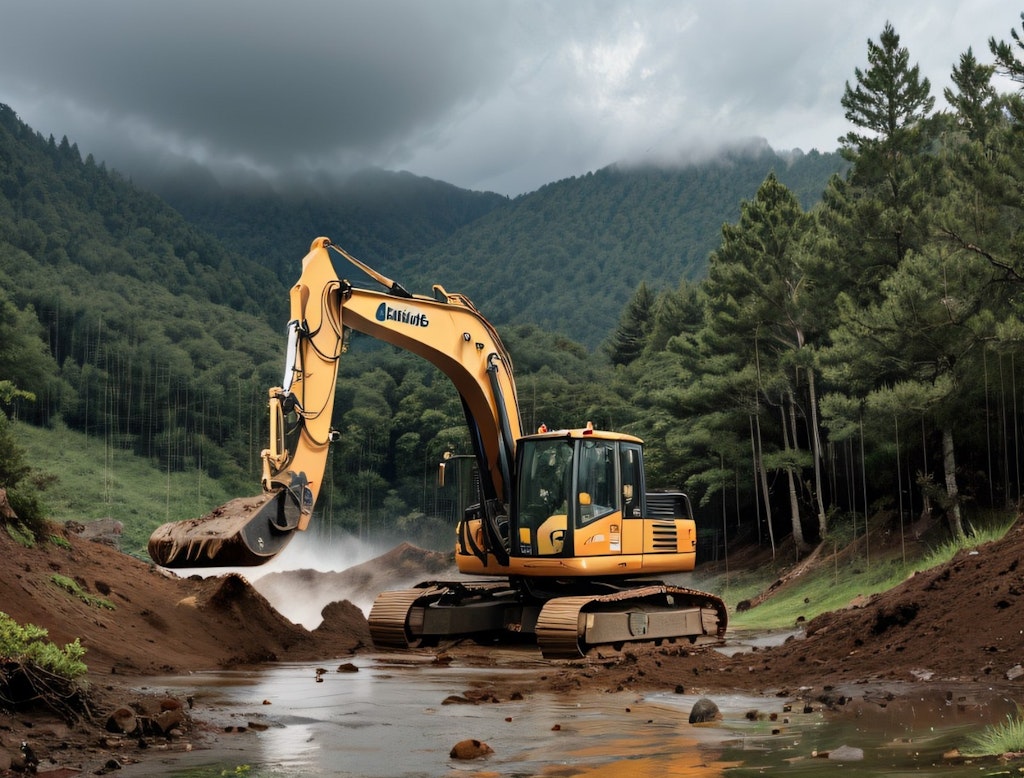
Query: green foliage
x: 1006, y: 737
x: 570, y: 256
x: 635, y: 325
x: 22, y: 487
x: 829, y: 588
x: 117, y: 316
x: 73, y: 588
x: 890, y: 97
x: 94, y: 482
x: 28, y: 643
x: 826, y: 352
x: 20, y: 535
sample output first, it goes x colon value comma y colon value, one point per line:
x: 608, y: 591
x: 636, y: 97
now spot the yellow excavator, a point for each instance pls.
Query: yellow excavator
x: 561, y: 524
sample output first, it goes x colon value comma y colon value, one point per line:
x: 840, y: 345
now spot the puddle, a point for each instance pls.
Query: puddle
x: 388, y: 719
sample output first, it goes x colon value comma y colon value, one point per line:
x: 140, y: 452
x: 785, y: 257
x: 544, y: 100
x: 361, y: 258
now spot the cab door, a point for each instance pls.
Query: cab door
x: 597, y: 529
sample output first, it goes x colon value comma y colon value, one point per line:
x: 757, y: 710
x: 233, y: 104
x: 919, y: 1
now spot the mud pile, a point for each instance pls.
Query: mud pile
x: 959, y: 621
x: 132, y: 617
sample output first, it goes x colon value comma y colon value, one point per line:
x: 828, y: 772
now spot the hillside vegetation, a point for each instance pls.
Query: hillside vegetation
x: 846, y: 355
x: 566, y: 257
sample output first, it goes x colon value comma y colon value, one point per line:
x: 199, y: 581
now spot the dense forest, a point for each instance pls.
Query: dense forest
x: 846, y: 344
x: 863, y: 355
x: 534, y: 258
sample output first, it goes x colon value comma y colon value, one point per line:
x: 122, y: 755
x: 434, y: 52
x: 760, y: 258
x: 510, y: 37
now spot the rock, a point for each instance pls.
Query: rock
x: 845, y: 754
x: 122, y: 720
x: 1014, y: 673
x: 470, y: 749
x: 169, y: 719
x: 703, y: 711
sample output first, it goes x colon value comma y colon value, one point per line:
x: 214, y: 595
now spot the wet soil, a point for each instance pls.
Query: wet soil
x: 951, y: 627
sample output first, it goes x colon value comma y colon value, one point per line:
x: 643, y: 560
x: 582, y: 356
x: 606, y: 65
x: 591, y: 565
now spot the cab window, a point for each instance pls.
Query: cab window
x: 596, y: 481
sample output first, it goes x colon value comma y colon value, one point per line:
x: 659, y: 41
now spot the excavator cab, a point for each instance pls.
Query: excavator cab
x: 577, y: 491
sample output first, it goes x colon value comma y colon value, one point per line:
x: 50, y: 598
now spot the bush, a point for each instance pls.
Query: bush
x: 28, y: 643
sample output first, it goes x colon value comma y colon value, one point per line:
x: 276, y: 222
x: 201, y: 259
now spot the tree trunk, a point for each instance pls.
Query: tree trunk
x: 949, y: 465
x: 764, y: 485
x: 794, y: 504
x: 816, y: 451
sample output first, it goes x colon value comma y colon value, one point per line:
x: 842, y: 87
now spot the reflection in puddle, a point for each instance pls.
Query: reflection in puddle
x: 388, y: 719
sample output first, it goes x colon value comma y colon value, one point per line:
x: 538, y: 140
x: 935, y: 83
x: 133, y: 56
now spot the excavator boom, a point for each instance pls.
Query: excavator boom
x: 446, y: 329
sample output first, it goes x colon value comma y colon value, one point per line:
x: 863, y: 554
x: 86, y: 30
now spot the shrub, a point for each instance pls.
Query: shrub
x: 28, y: 643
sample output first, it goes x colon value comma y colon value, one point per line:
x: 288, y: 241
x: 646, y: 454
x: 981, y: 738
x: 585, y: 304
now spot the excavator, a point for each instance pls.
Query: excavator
x: 561, y: 543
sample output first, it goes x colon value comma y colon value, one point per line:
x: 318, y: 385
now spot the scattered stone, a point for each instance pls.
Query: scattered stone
x: 109, y: 766
x: 470, y: 749
x: 704, y: 711
x: 122, y: 720
x: 845, y: 754
x: 347, y: 667
x: 169, y: 719
x: 1014, y: 673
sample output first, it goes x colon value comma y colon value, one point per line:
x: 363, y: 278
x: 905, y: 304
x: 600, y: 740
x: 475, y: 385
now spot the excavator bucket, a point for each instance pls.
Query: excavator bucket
x: 245, y: 532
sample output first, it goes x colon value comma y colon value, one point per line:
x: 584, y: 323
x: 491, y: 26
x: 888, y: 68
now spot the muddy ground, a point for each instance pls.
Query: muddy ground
x: 956, y: 624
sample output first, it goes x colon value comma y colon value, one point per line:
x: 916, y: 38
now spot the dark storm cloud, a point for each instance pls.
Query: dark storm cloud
x: 500, y: 94
x: 272, y: 82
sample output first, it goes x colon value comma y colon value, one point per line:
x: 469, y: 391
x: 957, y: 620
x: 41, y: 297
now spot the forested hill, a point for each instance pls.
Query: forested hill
x: 567, y: 257
x: 120, y: 318
x: 377, y: 215
x: 570, y: 256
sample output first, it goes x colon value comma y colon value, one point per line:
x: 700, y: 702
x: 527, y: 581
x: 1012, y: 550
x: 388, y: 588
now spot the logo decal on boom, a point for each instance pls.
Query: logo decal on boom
x: 413, y: 318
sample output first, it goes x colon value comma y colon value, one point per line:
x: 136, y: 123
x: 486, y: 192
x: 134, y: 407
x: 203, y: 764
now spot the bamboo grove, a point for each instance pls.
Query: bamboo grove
x: 864, y: 355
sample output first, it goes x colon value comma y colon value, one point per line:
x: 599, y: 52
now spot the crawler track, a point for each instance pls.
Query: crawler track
x: 565, y: 627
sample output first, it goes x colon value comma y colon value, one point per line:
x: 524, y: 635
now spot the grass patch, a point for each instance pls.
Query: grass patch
x: 833, y: 585
x: 1004, y: 738
x: 57, y: 540
x: 20, y: 535
x: 96, y: 481
x: 71, y: 587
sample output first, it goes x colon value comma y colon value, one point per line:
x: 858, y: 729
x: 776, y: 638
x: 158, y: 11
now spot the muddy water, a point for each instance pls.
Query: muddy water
x: 388, y: 719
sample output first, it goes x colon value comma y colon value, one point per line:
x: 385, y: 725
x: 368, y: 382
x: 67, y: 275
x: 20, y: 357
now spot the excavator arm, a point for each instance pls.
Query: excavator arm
x: 447, y: 330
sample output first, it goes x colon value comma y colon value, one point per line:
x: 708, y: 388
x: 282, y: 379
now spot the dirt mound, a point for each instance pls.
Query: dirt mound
x: 956, y: 621
x: 133, y: 617
x: 302, y: 594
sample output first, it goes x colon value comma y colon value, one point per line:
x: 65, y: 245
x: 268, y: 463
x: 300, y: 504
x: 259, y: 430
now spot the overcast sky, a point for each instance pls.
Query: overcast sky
x: 500, y: 95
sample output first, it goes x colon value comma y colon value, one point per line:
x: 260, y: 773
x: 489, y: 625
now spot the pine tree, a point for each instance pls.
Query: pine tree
x: 629, y: 339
